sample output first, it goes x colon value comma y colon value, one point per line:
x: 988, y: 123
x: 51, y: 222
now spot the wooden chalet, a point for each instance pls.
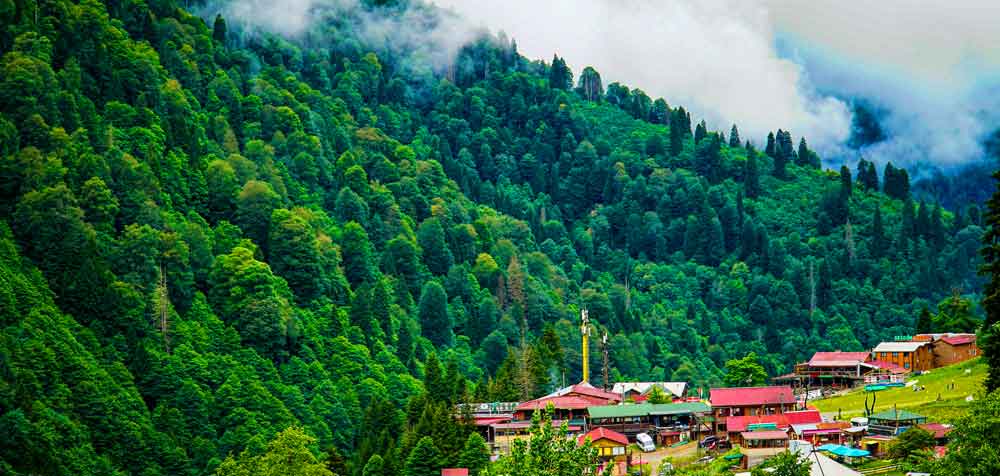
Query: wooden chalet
x: 912, y: 356
x: 948, y: 349
x: 748, y: 401
x: 669, y: 423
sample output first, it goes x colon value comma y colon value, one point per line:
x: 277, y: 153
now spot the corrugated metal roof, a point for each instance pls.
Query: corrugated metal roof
x: 899, y: 346
x: 676, y: 388
x: 838, y: 359
x: 644, y: 409
x: 602, y: 433
x: 751, y: 396
x: 893, y: 414
x: 959, y: 339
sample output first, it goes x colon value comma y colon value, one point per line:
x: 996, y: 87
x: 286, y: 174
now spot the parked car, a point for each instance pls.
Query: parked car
x: 645, y: 442
x: 707, y: 441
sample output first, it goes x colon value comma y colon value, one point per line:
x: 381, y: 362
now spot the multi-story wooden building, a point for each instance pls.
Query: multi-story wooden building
x: 950, y: 348
x: 912, y: 356
x: 749, y: 401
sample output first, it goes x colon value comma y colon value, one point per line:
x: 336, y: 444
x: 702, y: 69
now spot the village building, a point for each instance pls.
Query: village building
x: 764, y: 439
x: 638, y: 391
x: 737, y: 425
x: 892, y: 422
x: 950, y: 348
x: 821, y: 433
x: 939, y: 430
x: 842, y: 369
x: 748, y: 401
x: 669, y: 423
x: 569, y: 403
x: 912, y: 356
x: 610, y: 444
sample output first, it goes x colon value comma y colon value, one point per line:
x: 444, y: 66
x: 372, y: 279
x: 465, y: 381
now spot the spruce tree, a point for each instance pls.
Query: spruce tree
x: 435, y: 320
x: 751, y: 175
x: 424, y: 459
x: 937, y: 231
x: 922, y: 225
x: 475, y: 456
x: 700, y: 132
x: 879, y: 245
x: 769, y: 148
x: 990, y: 342
x: 802, y: 159
x: 925, y: 322
x: 219, y: 29
x: 734, y: 137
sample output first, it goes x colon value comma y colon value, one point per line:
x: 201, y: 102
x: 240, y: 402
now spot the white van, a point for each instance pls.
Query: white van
x: 645, y: 442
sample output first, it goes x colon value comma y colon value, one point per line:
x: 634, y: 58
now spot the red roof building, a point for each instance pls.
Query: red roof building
x: 839, y: 359
x: 939, y: 430
x: 601, y: 433
x: 751, y: 396
x: 455, y: 472
x: 569, y: 403
x: 749, y: 401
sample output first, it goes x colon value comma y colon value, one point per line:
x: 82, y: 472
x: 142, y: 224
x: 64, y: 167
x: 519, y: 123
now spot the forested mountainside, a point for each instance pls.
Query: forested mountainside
x: 212, y: 236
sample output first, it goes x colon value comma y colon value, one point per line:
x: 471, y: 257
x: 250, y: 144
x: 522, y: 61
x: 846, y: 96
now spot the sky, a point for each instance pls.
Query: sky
x: 931, y: 67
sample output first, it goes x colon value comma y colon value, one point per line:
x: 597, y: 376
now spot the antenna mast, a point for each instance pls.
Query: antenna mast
x: 585, y: 333
x: 604, y: 349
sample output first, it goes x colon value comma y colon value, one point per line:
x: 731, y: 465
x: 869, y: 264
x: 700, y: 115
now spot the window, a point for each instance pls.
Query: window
x: 906, y: 365
x: 618, y: 450
x: 895, y: 354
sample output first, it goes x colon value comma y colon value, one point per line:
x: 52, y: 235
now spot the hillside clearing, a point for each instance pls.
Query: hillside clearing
x: 937, y: 402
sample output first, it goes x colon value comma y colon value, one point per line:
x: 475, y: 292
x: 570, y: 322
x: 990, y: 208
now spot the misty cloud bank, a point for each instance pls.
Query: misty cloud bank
x: 932, y: 69
x: 429, y: 35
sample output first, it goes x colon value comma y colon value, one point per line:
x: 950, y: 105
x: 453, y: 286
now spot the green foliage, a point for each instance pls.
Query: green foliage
x: 475, y: 455
x: 745, y: 372
x: 974, y: 449
x: 424, y: 460
x: 910, y: 442
x: 785, y: 463
x: 287, y: 454
x: 549, y: 452
x: 325, y: 216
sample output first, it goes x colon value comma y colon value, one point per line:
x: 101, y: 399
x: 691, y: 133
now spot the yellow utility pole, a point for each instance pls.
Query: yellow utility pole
x: 585, y: 332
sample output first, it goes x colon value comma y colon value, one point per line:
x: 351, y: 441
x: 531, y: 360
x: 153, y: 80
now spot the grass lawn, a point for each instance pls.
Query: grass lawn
x: 951, y: 405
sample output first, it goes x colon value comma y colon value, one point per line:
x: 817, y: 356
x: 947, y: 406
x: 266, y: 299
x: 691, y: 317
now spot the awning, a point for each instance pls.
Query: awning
x: 764, y: 435
x: 841, y: 450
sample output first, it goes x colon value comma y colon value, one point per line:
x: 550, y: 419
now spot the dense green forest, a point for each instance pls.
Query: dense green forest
x: 212, y: 235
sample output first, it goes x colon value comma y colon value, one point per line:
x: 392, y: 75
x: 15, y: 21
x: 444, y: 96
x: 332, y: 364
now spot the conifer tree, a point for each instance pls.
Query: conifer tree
x: 424, y: 459
x: 751, y: 174
x: 922, y: 225
x: 879, y: 245
x: 435, y: 320
x: 925, y: 322
x: 990, y: 342
x: 219, y: 29
x: 700, y: 132
x: 734, y: 137
x: 769, y: 149
x: 475, y: 456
